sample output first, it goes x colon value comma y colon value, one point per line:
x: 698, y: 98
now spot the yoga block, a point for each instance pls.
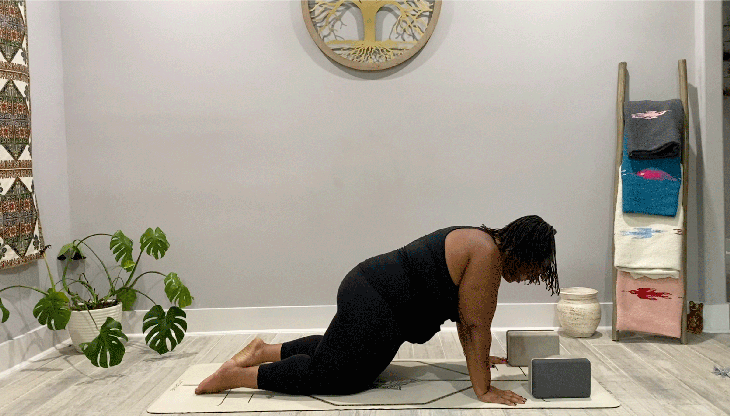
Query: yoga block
x: 560, y: 377
x: 523, y: 346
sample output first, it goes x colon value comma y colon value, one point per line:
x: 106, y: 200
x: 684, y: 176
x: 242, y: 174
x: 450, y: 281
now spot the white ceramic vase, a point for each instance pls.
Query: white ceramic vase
x: 579, y: 311
x: 81, y: 326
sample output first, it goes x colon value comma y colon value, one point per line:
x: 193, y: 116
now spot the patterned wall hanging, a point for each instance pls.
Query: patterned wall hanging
x: 370, y: 34
x: 726, y: 49
x: 20, y: 230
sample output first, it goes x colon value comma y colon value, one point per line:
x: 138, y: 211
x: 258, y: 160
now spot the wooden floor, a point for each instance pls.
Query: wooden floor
x: 649, y: 375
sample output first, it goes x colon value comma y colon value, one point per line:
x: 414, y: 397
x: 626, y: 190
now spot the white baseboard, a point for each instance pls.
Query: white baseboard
x: 245, y: 320
x: 317, y: 318
x: 33, y: 345
x: 15, y: 353
x: 716, y: 318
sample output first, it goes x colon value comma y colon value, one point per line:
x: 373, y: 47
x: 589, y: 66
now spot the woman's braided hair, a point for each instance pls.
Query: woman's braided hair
x: 529, y: 242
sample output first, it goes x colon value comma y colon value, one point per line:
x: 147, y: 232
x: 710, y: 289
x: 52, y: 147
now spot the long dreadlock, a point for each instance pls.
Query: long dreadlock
x: 529, y: 242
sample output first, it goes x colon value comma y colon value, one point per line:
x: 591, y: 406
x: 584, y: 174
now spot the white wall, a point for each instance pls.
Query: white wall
x: 274, y: 171
x: 305, y: 168
x: 709, y: 172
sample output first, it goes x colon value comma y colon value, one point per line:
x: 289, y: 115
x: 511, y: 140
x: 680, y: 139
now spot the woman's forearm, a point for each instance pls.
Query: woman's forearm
x: 476, y: 342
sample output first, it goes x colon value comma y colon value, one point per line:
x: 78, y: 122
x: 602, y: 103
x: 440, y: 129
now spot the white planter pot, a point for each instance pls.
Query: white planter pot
x: 579, y: 311
x: 82, y: 328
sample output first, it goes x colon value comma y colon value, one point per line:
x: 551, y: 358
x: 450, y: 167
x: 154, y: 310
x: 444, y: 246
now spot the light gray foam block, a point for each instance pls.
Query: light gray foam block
x: 560, y: 377
x: 523, y: 346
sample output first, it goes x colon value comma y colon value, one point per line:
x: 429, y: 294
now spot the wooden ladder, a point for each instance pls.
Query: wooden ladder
x: 622, y: 71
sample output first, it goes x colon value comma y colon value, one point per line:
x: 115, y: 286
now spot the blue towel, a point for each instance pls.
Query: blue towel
x: 651, y: 186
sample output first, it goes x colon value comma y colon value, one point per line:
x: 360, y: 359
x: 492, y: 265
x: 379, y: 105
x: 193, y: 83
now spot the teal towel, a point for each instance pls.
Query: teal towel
x: 651, y: 186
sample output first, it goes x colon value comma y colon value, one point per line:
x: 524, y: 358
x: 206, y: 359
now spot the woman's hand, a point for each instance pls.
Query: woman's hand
x: 497, y: 360
x: 495, y: 395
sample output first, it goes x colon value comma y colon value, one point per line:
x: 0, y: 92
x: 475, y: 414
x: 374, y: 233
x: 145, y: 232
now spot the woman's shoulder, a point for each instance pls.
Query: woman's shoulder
x: 462, y: 245
x: 471, y: 238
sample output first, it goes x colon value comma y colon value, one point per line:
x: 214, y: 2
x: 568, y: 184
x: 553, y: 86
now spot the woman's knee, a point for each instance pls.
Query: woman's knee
x: 340, y: 387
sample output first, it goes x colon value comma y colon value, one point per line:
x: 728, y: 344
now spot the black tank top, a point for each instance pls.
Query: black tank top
x: 415, y: 282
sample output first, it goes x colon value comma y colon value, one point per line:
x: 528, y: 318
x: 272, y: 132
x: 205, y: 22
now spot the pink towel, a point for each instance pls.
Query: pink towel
x: 649, y: 305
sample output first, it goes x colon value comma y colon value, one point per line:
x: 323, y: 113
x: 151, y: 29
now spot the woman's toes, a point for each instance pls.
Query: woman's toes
x: 223, y: 379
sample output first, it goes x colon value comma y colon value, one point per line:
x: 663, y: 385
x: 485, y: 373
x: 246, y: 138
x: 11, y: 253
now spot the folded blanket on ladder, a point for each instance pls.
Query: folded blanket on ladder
x: 649, y: 305
x: 651, y: 186
x: 654, y: 129
x: 648, y: 245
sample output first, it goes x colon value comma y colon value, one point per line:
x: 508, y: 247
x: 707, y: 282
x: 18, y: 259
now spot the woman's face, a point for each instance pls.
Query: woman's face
x: 521, y: 272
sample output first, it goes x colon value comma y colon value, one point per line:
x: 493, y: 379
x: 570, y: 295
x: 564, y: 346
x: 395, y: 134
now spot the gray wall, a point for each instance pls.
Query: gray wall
x: 726, y: 106
x: 726, y: 130
x: 49, y: 163
x: 274, y: 171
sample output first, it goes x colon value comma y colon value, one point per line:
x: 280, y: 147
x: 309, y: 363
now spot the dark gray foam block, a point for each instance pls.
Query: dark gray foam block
x: 560, y: 377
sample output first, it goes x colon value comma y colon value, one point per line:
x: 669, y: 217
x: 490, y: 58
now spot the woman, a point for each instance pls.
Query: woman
x: 405, y: 295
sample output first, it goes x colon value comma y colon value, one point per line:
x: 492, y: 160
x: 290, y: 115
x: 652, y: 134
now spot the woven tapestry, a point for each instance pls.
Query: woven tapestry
x: 20, y: 229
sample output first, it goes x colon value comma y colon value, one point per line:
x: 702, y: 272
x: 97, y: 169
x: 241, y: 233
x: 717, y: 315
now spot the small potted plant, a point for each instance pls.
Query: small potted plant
x: 93, y: 321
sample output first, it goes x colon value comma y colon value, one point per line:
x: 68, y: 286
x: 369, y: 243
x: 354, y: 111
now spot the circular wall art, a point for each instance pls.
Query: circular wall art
x: 370, y: 35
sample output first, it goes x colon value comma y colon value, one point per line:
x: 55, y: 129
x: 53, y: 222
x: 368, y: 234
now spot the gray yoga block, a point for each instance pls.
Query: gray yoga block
x: 523, y: 346
x: 560, y: 377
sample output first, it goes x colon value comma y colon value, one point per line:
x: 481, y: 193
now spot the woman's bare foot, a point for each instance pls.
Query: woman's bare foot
x: 229, y: 374
x: 250, y: 355
x: 230, y: 377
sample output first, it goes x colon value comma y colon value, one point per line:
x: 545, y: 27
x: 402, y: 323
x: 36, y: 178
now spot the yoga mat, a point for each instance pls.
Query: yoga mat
x: 405, y: 384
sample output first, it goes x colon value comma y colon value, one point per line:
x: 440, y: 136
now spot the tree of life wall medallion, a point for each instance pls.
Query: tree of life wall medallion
x: 370, y: 35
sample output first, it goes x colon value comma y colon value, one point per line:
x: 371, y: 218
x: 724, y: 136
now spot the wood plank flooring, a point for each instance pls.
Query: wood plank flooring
x: 649, y: 375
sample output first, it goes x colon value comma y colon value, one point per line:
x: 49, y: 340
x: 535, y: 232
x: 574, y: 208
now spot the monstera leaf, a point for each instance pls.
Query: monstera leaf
x: 176, y: 291
x: 70, y: 251
x: 121, y: 246
x: 127, y: 296
x: 164, y: 327
x: 5, y: 311
x: 107, y: 349
x: 52, y: 310
x: 154, y: 243
x: 128, y: 265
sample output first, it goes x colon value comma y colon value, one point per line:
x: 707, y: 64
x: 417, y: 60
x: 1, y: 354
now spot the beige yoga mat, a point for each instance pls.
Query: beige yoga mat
x: 405, y: 384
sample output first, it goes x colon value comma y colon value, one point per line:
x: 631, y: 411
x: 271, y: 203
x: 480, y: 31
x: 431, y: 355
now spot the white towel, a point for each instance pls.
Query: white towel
x: 648, y: 245
x: 650, y: 273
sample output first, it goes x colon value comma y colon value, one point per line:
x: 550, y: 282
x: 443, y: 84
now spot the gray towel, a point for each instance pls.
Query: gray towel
x: 654, y: 128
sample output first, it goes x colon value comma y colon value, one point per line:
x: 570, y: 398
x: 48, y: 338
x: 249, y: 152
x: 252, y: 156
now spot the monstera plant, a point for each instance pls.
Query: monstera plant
x: 73, y: 295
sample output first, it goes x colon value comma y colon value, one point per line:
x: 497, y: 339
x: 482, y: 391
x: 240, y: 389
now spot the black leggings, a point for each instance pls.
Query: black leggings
x: 359, y: 343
